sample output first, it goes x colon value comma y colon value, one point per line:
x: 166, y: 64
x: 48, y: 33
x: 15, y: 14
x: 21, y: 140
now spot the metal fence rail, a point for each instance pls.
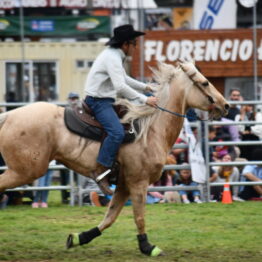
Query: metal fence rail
x: 77, y: 190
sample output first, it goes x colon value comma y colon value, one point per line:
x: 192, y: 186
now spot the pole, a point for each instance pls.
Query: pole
x: 22, y: 38
x: 142, y: 28
x: 255, y: 50
x: 207, y: 152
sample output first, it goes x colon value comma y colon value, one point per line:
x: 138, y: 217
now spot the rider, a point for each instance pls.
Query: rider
x: 106, y: 80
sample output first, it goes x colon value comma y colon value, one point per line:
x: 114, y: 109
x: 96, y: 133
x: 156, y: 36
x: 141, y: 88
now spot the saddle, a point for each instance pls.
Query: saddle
x: 81, y: 121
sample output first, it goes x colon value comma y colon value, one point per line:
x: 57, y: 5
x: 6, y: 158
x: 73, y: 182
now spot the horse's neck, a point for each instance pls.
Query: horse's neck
x: 167, y: 125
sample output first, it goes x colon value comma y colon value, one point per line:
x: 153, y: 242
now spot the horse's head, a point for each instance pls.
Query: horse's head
x: 202, y: 94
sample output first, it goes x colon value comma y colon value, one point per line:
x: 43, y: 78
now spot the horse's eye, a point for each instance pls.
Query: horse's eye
x: 205, y: 83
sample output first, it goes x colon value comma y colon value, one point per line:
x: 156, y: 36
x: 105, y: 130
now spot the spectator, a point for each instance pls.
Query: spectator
x: 231, y: 130
x: 212, y: 133
x: 3, y: 200
x: 93, y: 197
x: 220, y: 150
x: 73, y: 99
x: 246, y: 114
x: 257, y: 129
x: 165, y: 180
x: 234, y: 110
x: 41, y: 197
x: 235, y: 95
x: 185, y: 179
x: 247, y: 150
x: 225, y: 174
x: 181, y: 154
x: 252, y: 173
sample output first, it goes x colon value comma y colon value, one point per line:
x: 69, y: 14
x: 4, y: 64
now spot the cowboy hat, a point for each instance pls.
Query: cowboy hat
x: 124, y: 33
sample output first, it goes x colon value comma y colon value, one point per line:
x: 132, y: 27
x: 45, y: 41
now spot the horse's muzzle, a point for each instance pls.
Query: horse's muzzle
x: 226, y: 108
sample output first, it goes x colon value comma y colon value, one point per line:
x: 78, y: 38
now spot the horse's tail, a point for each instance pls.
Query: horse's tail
x: 3, y: 117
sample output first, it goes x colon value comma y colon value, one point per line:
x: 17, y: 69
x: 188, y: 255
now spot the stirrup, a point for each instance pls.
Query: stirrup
x: 100, y: 177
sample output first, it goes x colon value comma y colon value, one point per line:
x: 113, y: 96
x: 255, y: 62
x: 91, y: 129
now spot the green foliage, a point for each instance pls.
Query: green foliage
x: 206, y: 232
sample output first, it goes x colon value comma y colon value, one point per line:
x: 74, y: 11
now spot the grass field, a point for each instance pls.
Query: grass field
x: 206, y: 232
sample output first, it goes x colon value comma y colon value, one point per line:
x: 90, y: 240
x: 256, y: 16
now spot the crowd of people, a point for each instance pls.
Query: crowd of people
x: 241, y: 132
x: 223, y: 153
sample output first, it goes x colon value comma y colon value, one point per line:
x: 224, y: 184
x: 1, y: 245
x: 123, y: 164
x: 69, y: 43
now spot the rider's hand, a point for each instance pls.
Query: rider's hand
x: 152, y: 101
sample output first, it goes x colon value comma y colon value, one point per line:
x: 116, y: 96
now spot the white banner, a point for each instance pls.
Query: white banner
x: 214, y: 14
x: 196, y: 159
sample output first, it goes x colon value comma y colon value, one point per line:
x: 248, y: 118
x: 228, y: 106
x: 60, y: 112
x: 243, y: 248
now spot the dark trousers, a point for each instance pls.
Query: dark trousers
x: 248, y: 192
x: 106, y: 115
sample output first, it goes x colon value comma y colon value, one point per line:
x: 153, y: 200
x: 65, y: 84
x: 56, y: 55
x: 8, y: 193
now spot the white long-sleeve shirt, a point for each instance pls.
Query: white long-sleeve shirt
x: 107, y: 78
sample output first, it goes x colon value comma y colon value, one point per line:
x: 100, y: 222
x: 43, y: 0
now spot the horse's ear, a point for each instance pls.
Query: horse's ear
x: 157, y: 71
x: 181, y: 65
x: 177, y: 63
x: 160, y: 65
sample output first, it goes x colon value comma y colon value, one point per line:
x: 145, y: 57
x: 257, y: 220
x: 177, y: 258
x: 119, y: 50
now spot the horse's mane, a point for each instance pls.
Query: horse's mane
x: 145, y: 114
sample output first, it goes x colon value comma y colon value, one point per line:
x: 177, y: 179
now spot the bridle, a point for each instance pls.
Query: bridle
x: 200, y: 87
x: 193, y: 116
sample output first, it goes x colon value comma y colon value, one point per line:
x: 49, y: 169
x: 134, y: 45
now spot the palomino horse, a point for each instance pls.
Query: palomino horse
x: 33, y: 135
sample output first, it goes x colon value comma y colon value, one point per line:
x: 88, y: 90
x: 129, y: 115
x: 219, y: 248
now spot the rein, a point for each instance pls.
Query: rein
x: 190, y: 116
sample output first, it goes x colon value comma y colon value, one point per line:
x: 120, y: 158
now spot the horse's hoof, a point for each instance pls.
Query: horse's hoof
x: 156, y: 252
x: 72, y: 240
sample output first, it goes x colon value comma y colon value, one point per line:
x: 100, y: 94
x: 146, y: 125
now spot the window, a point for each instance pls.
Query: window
x: 84, y: 64
x: 80, y: 64
x: 31, y: 81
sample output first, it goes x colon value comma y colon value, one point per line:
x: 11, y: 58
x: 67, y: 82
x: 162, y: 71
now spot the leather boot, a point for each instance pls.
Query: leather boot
x: 101, y: 177
x: 114, y: 174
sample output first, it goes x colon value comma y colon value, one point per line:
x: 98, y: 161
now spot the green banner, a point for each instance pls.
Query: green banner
x: 55, y: 26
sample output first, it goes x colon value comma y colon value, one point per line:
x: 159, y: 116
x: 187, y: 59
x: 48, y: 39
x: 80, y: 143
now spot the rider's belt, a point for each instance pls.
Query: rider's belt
x: 100, y: 98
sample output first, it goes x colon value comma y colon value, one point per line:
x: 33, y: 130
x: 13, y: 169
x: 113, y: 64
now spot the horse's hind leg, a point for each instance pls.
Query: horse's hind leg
x: 116, y: 204
x: 11, y: 179
x: 138, y: 198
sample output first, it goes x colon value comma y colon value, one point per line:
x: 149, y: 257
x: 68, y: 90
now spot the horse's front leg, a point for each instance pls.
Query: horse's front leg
x: 138, y: 195
x: 115, y: 206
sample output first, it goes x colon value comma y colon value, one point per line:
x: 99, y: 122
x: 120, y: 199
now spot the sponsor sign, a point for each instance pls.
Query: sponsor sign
x: 3, y: 24
x: 42, y: 25
x: 199, y: 50
x: 10, y: 4
x: 56, y: 26
x: 214, y: 14
x: 217, y: 52
x: 87, y: 24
